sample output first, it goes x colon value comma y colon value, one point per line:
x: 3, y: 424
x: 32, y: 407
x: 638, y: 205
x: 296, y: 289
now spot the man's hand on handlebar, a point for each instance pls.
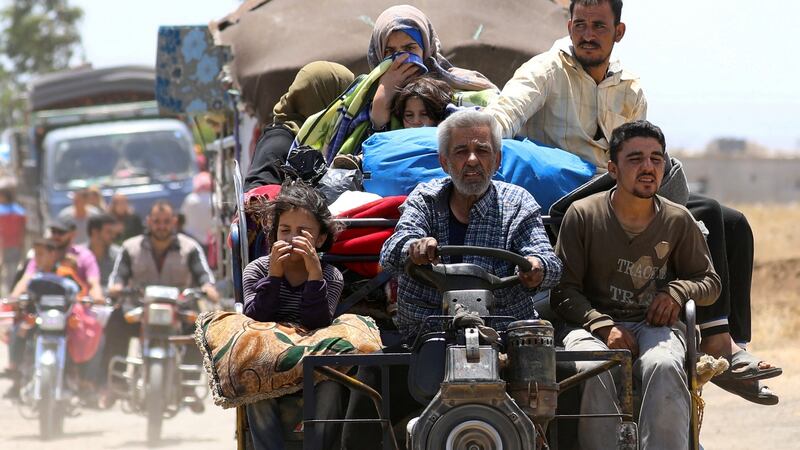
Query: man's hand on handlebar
x: 115, y: 290
x: 532, y: 278
x: 423, y: 251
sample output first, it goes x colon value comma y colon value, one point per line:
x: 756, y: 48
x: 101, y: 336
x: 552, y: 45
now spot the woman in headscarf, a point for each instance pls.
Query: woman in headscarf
x: 403, y: 46
x: 404, y: 28
x: 316, y: 85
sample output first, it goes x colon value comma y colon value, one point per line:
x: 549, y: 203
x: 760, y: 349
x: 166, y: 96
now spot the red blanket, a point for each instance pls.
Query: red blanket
x: 367, y: 241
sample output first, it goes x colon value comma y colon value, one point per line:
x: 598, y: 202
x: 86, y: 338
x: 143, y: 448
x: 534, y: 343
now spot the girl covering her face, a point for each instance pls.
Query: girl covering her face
x: 292, y: 284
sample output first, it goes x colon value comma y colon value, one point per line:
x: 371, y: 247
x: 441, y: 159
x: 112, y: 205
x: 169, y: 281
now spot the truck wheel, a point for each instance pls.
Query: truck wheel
x: 154, y: 400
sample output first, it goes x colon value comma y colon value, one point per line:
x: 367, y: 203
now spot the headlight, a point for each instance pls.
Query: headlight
x: 53, y: 301
x: 159, y: 314
x: 52, y: 320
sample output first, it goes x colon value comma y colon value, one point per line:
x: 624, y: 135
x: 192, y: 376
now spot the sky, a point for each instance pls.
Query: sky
x: 709, y: 68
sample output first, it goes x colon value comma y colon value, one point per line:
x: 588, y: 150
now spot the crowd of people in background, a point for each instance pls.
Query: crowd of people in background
x: 83, y: 242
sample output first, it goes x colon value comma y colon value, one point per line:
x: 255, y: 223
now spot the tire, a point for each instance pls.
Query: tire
x: 51, y: 413
x: 155, y: 400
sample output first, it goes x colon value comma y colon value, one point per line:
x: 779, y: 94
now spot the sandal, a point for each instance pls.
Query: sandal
x: 744, y: 367
x: 749, y: 390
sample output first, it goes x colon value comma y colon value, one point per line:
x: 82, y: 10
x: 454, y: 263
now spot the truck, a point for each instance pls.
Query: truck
x: 99, y: 127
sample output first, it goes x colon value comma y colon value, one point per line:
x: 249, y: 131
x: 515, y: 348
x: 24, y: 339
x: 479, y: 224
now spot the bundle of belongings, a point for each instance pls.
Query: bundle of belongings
x: 248, y: 361
x: 343, y: 126
x: 395, y: 162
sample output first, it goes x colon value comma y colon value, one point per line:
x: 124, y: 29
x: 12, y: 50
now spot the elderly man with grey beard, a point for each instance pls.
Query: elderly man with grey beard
x: 469, y: 208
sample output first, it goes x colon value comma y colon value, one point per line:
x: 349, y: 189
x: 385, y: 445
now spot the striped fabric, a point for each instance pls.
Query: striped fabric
x: 290, y: 296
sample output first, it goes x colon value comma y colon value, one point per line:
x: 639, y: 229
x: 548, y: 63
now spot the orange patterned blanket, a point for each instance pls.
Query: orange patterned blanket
x: 247, y: 361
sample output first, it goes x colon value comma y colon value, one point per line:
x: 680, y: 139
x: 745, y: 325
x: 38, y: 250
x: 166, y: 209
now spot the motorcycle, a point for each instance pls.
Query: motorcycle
x: 49, y: 391
x: 157, y: 380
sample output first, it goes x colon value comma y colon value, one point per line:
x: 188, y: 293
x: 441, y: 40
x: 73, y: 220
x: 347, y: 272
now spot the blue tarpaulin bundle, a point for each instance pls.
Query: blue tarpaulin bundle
x: 396, y: 161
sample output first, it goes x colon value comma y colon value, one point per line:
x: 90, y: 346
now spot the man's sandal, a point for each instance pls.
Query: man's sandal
x: 748, y: 390
x: 744, y: 367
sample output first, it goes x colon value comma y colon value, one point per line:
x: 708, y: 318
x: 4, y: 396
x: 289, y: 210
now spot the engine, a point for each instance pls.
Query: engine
x: 476, y: 409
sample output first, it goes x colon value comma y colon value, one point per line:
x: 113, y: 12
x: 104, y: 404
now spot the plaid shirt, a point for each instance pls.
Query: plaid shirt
x: 552, y: 100
x: 506, y: 217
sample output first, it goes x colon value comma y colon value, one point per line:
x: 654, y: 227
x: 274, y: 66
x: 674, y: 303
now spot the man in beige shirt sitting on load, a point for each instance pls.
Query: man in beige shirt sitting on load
x: 572, y: 97
x: 631, y: 261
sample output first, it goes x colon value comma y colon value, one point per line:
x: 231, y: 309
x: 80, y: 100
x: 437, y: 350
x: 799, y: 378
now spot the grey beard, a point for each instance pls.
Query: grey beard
x: 477, y: 188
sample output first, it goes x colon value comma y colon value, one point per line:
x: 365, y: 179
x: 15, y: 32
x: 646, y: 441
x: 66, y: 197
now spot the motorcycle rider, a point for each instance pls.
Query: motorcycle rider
x: 62, y: 232
x: 102, y: 230
x: 45, y: 257
x: 160, y: 256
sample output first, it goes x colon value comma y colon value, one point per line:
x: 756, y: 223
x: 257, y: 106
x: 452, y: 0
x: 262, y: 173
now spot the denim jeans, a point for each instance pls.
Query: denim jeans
x: 272, y: 419
x: 665, y: 401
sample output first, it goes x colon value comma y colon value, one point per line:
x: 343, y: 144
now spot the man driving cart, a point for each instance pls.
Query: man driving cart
x: 469, y: 208
x: 466, y: 209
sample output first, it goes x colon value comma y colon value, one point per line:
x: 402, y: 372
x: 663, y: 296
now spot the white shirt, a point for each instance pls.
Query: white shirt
x: 196, y: 209
x: 553, y: 101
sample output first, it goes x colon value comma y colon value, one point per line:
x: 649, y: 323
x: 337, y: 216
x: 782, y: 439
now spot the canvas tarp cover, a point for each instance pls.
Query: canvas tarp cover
x: 272, y: 39
x: 88, y: 87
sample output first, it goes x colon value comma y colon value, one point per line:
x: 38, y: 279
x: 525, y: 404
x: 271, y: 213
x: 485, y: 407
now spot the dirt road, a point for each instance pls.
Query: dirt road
x: 732, y: 423
x: 113, y: 429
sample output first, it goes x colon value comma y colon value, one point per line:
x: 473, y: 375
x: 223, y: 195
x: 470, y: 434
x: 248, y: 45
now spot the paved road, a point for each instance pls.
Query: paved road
x: 113, y: 429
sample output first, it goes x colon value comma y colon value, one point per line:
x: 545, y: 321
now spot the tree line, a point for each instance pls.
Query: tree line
x: 36, y: 37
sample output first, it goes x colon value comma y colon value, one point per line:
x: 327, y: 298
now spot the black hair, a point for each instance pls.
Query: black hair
x: 97, y: 222
x: 616, y: 7
x: 630, y: 130
x: 162, y: 204
x: 435, y: 95
x: 297, y: 194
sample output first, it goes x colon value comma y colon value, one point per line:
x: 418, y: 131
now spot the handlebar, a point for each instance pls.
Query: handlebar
x: 24, y: 298
x: 447, y: 277
x: 499, y: 253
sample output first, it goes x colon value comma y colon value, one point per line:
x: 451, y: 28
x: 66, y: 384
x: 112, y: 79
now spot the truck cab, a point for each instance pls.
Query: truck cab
x: 100, y: 127
x: 147, y: 160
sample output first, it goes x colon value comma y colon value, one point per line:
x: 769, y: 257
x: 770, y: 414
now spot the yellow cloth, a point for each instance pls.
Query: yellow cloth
x: 553, y: 101
x: 247, y: 361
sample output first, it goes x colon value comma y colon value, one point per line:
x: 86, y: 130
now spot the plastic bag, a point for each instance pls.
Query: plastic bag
x: 305, y: 163
x: 337, y: 181
x: 84, y: 332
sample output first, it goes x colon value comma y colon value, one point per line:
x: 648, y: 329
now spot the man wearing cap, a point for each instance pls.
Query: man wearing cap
x: 62, y: 232
x: 45, y: 259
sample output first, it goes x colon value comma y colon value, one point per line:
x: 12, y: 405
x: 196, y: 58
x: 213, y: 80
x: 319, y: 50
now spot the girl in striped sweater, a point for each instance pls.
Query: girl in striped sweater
x: 291, y: 284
